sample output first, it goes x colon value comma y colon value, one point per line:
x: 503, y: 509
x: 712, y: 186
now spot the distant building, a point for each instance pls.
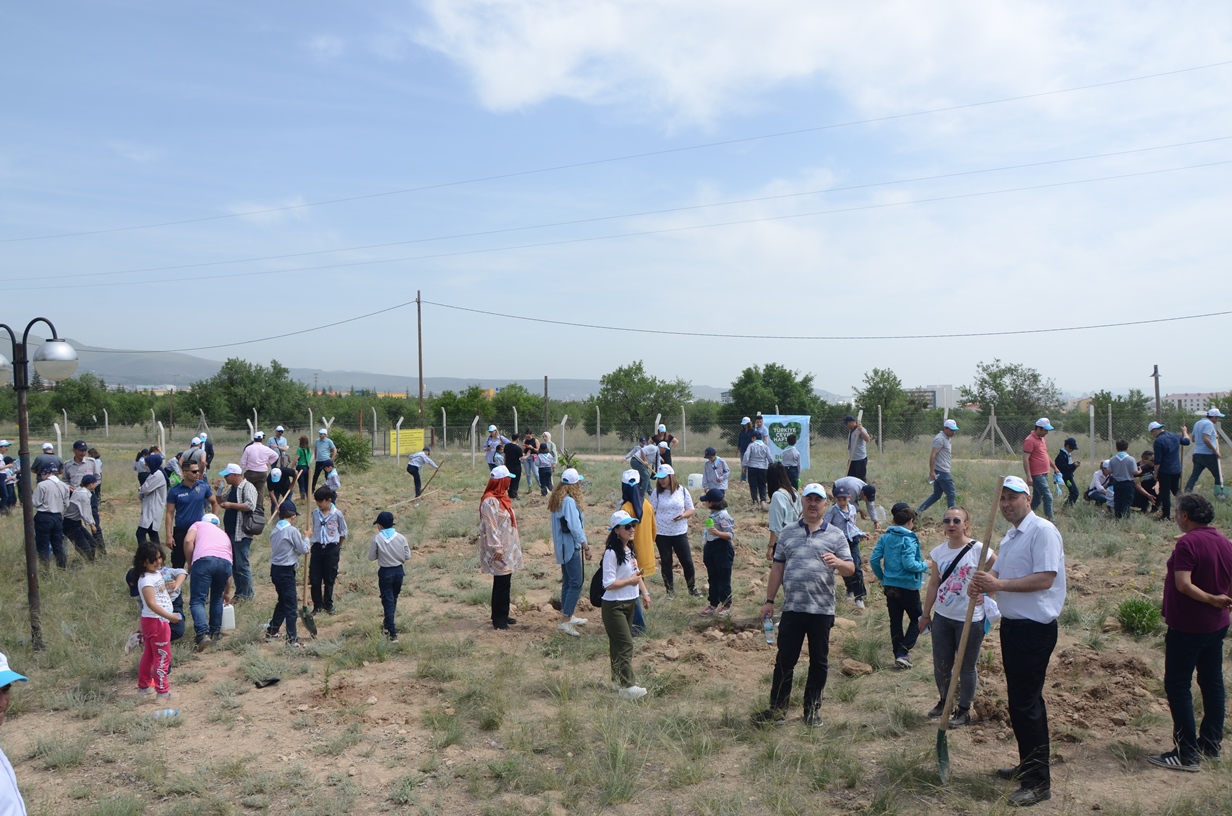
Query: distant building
x: 725, y: 397
x: 935, y: 396
x: 1194, y: 403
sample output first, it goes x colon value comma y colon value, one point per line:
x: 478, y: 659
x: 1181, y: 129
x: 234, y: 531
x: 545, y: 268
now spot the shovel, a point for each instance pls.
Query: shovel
x: 428, y: 483
x: 943, y: 748
x: 305, y: 612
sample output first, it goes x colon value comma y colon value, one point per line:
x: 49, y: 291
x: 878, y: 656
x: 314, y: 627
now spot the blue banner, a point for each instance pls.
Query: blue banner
x: 779, y: 426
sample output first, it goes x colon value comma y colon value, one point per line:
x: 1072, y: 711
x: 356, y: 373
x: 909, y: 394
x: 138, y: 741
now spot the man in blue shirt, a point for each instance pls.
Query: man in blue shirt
x: 1167, y: 464
x: 186, y: 503
x: 1206, y: 451
x: 324, y: 453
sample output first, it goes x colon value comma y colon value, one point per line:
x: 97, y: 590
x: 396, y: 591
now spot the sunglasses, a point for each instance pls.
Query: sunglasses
x: 951, y: 521
x: 194, y: 471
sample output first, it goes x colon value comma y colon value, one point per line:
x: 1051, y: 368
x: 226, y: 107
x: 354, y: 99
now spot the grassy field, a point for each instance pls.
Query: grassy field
x: 460, y: 719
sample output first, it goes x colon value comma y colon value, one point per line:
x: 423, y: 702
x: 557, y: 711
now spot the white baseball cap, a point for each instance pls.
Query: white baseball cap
x: 662, y: 429
x: 1154, y: 425
x: 665, y: 470
x: 7, y: 675
x: 500, y: 472
x: 4, y: 443
x: 48, y: 446
x: 211, y: 518
x: 276, y: 474
x: 491, y: 428
x: 1106, y: 464
x: 664, y: 444
x: 256, y: 435
x: 620, y: 518
x: 630, y: 477
x: 1016, y: 483
x: 813, y: 489
x: 1215, y: 412
x: 196, y: 440
x: 203, y: 436
x: 951, y: 424
x: 571, y: 476
x: 744, y: 421
x: 232, y: 469
x: 280, y: 429
x: 1043, y: 422
x: 323, y: 432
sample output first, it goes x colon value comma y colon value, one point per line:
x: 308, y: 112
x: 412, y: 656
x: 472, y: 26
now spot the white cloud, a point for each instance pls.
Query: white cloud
x: 326, y: 46
x: 696, y: 60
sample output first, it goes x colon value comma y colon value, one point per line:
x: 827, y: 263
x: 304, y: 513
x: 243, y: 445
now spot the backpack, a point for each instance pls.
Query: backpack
x: 597, y: 590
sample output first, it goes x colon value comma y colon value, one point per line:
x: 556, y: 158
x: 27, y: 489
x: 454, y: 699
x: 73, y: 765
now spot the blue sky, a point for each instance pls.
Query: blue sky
x: 122, y: 115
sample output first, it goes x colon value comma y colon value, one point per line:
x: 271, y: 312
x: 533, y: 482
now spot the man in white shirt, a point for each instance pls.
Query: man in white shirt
x: 1206, y: 454
x: 1029, y: 577
x: 11, y: 803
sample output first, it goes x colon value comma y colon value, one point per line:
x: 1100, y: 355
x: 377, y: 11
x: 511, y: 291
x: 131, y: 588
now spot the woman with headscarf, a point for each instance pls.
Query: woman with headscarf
x: 500, y: 549
x: 636, y: 505
x: 569, y: 543
x: 785, y: 507
x: 673, y: 507
x: 153, y: 494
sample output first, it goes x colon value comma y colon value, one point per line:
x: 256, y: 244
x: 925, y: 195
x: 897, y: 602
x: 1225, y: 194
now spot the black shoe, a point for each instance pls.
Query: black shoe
x: 496, y: 625
x: 812, y: 717
x: 511, y: 621
x: 1026, y: 797
x: 1009, y: 774
x: 1174, y: 762
x: 204, y: 643
x: 695, y: 592
x: 1209, y: 753
x: 961, y: 718
x: 771, y: 716
x: 331, y: 611
x: 936, y: 710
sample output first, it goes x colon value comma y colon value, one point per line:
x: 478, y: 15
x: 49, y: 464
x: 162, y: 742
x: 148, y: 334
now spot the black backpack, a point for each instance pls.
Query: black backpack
x: 597, y: 589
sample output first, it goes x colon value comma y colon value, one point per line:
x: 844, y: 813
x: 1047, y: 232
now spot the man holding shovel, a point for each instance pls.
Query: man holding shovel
x: 1029, y: 577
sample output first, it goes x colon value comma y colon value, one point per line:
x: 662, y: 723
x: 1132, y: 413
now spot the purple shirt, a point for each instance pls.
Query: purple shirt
x: 1206, y: 554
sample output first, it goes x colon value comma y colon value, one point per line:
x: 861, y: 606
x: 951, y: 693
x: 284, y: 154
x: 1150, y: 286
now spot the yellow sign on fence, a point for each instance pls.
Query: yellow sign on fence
x: 406, y: 442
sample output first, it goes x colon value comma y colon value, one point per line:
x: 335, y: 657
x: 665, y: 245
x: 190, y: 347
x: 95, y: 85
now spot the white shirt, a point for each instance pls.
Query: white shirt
x: 11, y: 803
x: 669, y: 505
x: 951, y: 601
x: 161, y: 596
x: 613, y: 572
x: 1033, y: 546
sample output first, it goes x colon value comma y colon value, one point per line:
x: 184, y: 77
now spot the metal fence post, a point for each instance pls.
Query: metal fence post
x: 398, y: 440
x: 598, y: 432
x: 474, y: 422
x: 684, y: 432
x: 1091, y: 414
x: 880, y: 446
x: 515, y: 418
x: 562, y: 431
x: 444, y: 432
x: 106, y: 424
x: 1111, y: 443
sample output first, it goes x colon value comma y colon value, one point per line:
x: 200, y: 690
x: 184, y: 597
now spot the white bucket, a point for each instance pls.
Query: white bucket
x: 695, y: 481
x: 228, y: 618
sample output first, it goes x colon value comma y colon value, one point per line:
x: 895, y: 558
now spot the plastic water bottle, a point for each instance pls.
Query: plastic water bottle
x: 166, y: 713
x: 768, y: 624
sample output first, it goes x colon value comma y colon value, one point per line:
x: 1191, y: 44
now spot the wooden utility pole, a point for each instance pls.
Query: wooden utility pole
x: 1159, y: 411
x: 419, y: 322
x: 545, y: 400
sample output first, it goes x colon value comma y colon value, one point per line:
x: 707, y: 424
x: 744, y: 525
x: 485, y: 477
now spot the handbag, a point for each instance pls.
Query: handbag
x: 253, y: 524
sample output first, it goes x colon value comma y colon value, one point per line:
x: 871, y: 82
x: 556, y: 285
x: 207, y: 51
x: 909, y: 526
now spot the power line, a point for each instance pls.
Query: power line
x: 626, y: 157
x: 596, y: 219
x: 710, y: 335
x: 640, y: 233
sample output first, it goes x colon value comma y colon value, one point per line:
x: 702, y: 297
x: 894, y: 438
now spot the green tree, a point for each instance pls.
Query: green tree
x: 460, y: 409
x: 1020, y: 393
x: 629, y: 398
x: 229, y: 396
x: 761, y: 389
x: 84, y: 397
x: 702, y: 415
x: 513, y: 395
x: 881, y: 387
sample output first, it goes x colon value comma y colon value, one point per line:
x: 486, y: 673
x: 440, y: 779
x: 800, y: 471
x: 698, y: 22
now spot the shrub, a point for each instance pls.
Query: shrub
x: 354, y: 451
x: 1138, y: 616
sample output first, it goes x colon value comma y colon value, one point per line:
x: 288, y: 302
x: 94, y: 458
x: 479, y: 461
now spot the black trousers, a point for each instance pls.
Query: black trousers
x: 49, y: 537
x: 316, y: 473
x: 80, y: 535
x: 757, y: 484
x: 1026, y: 647
x: 99, y: 544
x: 283, y: 579
x: 1185, y: 652
x: 901, y: 602
x: 718, y: 556
x: 859, y: 469
x: 322, y: 573
x: 177, y: 546
x: 414, y: 471
x: 1169, y: 486
x: 794, y: 627
x: 679, y: 544
x: 147, y: 534
x: 500, y: 599
x: 515, y: 478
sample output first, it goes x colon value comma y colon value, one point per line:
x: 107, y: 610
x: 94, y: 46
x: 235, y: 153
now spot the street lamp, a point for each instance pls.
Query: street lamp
x: 54, y: 360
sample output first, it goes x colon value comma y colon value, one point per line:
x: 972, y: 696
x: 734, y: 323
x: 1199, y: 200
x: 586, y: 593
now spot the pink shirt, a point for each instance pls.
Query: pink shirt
x: 1037, y: 449
x: 258, y: 458
x: 211, y: 540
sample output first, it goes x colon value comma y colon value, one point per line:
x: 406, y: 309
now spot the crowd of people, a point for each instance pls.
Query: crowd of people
x: 815, y: 537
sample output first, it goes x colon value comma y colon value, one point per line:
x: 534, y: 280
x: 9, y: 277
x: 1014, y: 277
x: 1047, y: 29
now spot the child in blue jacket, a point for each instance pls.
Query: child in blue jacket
x: 899, y: 565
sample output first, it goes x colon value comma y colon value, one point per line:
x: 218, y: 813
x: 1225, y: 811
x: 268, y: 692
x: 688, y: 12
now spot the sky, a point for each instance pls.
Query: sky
x: 184, y: 175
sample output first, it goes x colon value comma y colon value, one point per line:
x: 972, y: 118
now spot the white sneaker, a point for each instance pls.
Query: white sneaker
x: 576, y: 621
x: 134, y: 640
x: 567, y: 628
x: 859, y: 603
x: 632, y: 693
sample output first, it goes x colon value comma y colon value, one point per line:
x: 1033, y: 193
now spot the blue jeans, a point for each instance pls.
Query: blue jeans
x: 1201, y: 462
x: 570, y: 583
x: 639, y: 619
x: 1183, y: 653
x: 855, y: 582
x: 209, y: 576
x: 241, y: 570
x: 944, y: 484
x: 1041, y: 490
x: 389, y: 580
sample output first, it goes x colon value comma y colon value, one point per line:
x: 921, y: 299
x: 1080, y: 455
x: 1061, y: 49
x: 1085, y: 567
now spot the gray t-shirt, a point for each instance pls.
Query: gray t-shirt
x: 808, y: 584
x: 942, y: 443
x: 856, y: 445
x: 1123, y: 467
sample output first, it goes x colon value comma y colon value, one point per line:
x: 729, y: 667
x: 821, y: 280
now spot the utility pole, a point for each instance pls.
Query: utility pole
x: 545, y: 400
x: 314, y: 384
x: 1159, y: 413
x: 419, y: 321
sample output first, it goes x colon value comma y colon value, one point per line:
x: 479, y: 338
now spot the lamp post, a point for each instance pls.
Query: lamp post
x: 54, y: 360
